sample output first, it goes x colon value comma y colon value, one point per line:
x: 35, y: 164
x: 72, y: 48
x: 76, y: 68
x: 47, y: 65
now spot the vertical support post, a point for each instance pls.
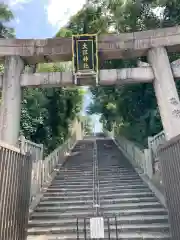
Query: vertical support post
x: 11, y: 100
x: 42, y: 152
x: 22, y: 144
x: 78, y: 130
x: 148, y: 163
x: 166, y: 92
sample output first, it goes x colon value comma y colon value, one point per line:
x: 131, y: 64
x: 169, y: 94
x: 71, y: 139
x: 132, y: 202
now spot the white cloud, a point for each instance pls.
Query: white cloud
x: 17, y: 20
x: 59, y: 11
x: 16, y: 3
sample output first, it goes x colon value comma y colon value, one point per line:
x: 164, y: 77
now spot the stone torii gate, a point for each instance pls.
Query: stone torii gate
x: 153, y: 43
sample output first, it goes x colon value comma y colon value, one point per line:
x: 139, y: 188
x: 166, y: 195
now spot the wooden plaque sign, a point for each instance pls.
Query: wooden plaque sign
x: 84, y: 51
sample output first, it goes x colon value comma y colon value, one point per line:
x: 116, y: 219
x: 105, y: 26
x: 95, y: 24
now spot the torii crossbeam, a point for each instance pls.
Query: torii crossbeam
x: 111, y: 46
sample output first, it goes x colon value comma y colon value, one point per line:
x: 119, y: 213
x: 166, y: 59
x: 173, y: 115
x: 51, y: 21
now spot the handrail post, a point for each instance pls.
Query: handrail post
x: 42, y: 151
x: 148, y: 163
x: 22, y: 144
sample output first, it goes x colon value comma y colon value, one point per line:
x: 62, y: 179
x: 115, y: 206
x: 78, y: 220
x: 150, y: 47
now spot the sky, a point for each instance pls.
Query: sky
x: 42, y: 19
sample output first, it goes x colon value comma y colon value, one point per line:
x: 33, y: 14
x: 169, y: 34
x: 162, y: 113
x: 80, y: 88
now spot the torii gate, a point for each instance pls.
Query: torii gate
x: 153, y: 44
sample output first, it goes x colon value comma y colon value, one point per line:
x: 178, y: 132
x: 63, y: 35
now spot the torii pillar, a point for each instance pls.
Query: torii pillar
x: 11, y: 100
x: 169, y: 106
x: 166, y: 92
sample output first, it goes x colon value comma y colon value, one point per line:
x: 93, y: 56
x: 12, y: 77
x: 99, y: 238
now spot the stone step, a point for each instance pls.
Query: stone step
x: 69, y: 168
x: 101, y: 183
x: 118, y: 178
x: 72, y: 176
x: 65, y: 203
x: 56, y: 188
x: 88, y: 185
x: 50, y: 197
x: 120, y: 220
x: 103, y: 196
x: 76, y: 180
x: 71, y: 185
x: 74, y: 193
x: 116, y: 171
x: 123, y: 186
x: 161, y: 227
x: 85, y: 207
x: 81, y: 181
x: 47, y: 202
x: 73, y: 170
x: 122, y: 236
x: 75, y: 173
x: 90, y: 213
x: 125, y: 190
x: 100, y: 176
x: 63, y: 209
x: 89, y: 192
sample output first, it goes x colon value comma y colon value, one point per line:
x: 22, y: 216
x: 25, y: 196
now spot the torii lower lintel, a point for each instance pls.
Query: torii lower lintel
x: 106, y: 77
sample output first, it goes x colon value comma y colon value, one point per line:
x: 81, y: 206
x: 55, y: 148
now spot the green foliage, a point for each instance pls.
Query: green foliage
x: 64, y: 32
x: 88, y: 20
x: 1, y: 68
x: 131, y: 109
x: 6, y: 15
x: 48, y: 113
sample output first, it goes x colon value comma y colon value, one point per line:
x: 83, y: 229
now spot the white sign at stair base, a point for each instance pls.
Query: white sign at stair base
x: 97, y: 227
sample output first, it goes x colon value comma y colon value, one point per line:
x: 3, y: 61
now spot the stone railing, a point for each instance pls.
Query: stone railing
x: 134, y: 154
x: 15, y: 178
x: 143, y: 159
x: 155, y: 141
x: 153, y: 144
x: 36, y: 150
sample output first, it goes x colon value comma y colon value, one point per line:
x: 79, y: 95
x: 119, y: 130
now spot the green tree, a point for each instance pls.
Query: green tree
x: 132, y: 109
x: 48, y: 113
x: 6, y: 16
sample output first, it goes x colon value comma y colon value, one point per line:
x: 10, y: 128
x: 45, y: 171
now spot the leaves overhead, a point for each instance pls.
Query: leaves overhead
x: 48, y: 113
x: 6, y: 16
x: 131, y: 109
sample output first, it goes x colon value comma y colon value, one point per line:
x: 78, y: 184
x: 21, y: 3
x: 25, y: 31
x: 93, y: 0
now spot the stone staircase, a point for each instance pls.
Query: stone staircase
x: 130, y: 209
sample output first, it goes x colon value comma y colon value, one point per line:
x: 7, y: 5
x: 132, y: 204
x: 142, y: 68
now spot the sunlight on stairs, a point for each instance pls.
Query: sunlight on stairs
x: 123, y: 196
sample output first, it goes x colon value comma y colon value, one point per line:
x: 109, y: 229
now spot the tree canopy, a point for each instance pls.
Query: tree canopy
x: 48, y: 113
x: 131, y: 109
x: 6, y: 16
